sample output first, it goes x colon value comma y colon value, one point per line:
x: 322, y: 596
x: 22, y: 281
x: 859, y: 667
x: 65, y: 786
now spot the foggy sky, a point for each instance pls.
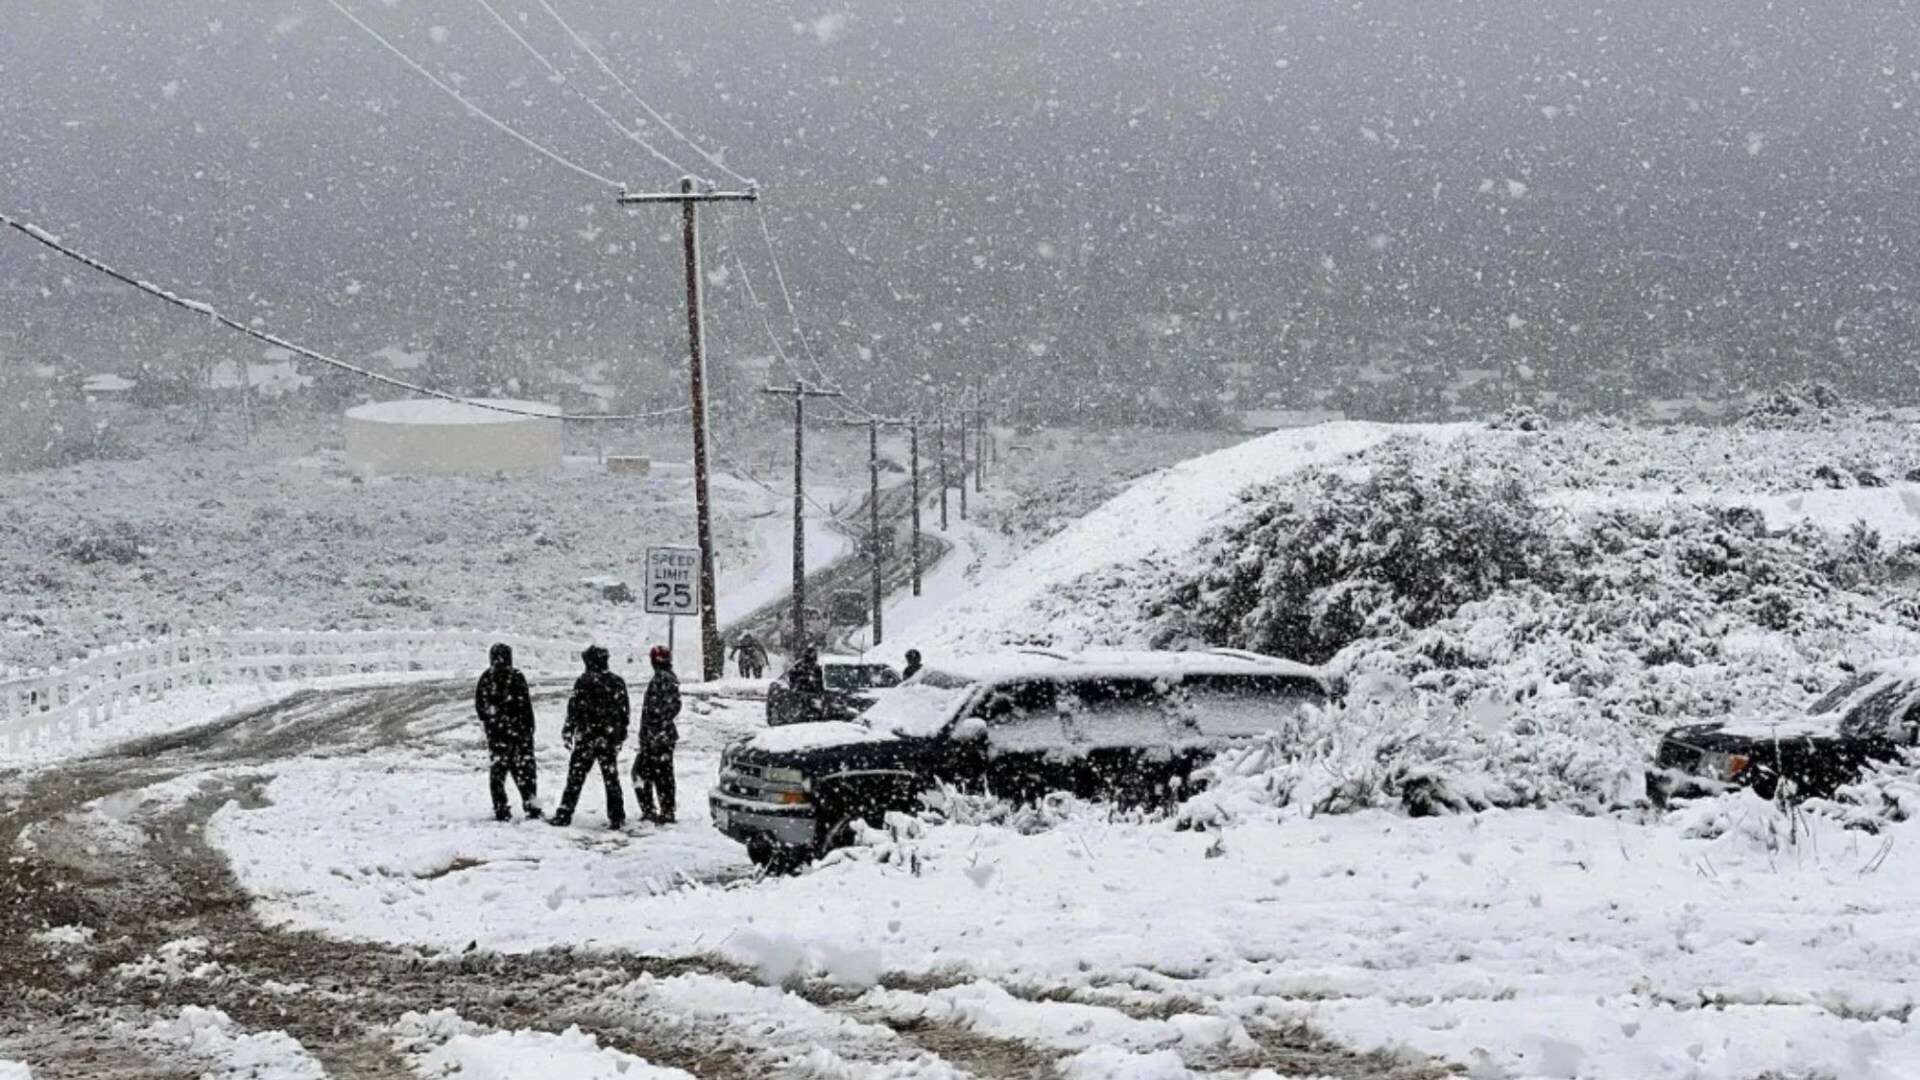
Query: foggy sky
x: 1069, y: 193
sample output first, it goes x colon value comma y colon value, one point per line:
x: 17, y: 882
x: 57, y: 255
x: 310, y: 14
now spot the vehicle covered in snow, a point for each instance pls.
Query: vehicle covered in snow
x: 848, y: 683
x: 1872, y: 715
x: 1131, y: 726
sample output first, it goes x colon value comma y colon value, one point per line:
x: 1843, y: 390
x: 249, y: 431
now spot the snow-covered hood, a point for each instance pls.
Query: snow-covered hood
x: 821, y: 735
x: 826, y: 747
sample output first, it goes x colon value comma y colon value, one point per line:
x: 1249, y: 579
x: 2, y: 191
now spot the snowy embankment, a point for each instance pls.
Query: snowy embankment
x: 1074, y: 589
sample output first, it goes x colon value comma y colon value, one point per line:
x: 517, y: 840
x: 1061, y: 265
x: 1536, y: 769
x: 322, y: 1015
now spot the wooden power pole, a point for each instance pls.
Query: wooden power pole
x: 877, y: 597
x: 963, y: 464
x: 940, y: 456
x: 800, y: 392
x: 712, y: 657
x: 913, y: 453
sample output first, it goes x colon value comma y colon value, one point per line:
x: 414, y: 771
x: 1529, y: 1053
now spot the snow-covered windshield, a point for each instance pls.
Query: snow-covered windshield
x: 1882, y: 710
x: 919, y: 708
x: 849, y: 677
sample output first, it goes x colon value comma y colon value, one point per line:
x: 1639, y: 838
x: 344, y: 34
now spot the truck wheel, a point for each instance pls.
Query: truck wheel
x: 778, y: 858
x: 841, y: 834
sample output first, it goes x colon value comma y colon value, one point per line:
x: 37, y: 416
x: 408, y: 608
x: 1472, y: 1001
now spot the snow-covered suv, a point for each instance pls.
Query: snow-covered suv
x: 1871, y: 716
x: 1126, y: 725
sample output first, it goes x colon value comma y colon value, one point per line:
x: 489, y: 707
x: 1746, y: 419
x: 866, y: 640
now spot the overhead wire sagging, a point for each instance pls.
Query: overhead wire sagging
x: 780, y: 279
x: 562, y: 81
x: 584, y: 47
x: 476, y: 110
x: 207, y: 311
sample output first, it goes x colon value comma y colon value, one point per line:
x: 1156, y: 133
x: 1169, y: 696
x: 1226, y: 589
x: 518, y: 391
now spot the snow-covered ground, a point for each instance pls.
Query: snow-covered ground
x: 111, y: 552
x: 1728, y: 939
x: 1534, y: 943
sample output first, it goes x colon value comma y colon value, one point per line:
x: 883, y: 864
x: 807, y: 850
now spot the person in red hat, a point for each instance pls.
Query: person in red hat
x: 659, y: 733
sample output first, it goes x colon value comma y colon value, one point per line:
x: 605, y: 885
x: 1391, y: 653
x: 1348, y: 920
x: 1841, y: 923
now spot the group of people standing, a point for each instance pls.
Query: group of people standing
x: 599, y: 714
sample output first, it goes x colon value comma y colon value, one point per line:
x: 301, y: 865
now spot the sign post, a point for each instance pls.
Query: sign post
x: 672, y: 584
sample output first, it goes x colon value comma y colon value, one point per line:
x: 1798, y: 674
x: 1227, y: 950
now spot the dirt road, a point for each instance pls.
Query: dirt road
x: 93, y: 844
x: 851, y: 571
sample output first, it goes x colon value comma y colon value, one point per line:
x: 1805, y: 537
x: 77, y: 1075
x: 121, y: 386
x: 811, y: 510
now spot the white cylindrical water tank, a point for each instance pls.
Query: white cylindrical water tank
x: 430, y: 435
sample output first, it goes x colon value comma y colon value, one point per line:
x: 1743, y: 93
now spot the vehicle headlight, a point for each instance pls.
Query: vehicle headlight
x: 786, y: 776
x: 1724, y: 766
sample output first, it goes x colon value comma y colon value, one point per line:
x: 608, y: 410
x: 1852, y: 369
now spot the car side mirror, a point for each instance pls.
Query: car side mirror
x: 971, y: 730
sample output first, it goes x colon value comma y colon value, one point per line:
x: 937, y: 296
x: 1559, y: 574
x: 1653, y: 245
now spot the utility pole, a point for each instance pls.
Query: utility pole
x: 873, y: 520
x: 940, y: 455
x: 800, y: 392
x: 712, y: 658
x: 979, y: 440
x: 913, y: 452
x: 963, y: 464
x: 873, y: 426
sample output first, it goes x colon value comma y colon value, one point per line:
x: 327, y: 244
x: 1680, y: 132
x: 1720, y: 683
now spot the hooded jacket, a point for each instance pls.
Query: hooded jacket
x: 599, y: 710
x: 659, y: 709
x: 502, y: 700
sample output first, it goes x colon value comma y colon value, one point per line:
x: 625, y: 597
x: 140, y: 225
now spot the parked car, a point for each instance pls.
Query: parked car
x: 849, y: 683
x: 1127, y: 726
x: 1871, y: 716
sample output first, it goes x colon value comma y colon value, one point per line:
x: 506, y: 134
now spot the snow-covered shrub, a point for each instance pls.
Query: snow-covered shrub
x: 1544, y: 680
x: 1322, y: 560
x: 1795, y: 404
x: 116, y: 542
x: 1519, y: 418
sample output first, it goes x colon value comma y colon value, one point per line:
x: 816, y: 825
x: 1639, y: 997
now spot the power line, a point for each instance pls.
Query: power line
x: 780, y: 278
x: 470, y: 106
x: 760, y: 309
x: 642, y: 102
x: 568, y: 86
x: 207, y: 311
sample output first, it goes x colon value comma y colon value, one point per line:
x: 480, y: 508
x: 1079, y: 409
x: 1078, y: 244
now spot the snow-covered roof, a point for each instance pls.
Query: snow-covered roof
x: 437, y: 411
x: 1136, y: 663
x: 851, y: 661
x: 106, y: 382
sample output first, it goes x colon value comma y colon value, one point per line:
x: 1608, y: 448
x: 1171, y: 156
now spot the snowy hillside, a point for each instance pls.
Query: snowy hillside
x: 1073, y: 589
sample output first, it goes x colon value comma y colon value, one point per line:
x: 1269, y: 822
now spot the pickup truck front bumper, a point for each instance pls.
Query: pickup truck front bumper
x: 762, y: 823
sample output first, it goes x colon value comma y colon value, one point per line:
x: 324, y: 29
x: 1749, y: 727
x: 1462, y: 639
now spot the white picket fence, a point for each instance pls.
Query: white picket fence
x: 42, y: 707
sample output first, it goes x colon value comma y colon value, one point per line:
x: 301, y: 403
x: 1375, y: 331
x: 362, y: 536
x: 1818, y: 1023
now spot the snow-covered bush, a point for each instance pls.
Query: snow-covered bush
x: 1519, y: 418
x: 1322, y: 560
x: 1522, y: 660
x: 1795, y: 404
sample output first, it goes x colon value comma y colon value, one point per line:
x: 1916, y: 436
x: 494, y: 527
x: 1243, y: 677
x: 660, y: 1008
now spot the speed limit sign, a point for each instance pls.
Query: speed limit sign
x: 673, y: 581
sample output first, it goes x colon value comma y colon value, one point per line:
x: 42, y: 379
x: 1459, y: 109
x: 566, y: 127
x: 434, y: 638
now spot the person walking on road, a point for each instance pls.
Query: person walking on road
x: 505, y: 707
x: 751, y: 655
x: 597, y: 717
x: 659, y: 733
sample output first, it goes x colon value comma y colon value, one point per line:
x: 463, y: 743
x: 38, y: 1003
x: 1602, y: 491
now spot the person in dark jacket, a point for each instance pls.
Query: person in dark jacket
x: 913, y: 665
x: 597, y: 719
x: 751, y: 656
x: 659, y: 734
x: 505, y: 707
x: 806, y: 675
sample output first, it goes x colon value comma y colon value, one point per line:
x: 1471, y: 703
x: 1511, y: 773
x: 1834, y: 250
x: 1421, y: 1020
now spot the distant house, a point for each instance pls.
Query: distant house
x: 1261, y: 421
x: 106, y: 384
x: 400, y: 359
